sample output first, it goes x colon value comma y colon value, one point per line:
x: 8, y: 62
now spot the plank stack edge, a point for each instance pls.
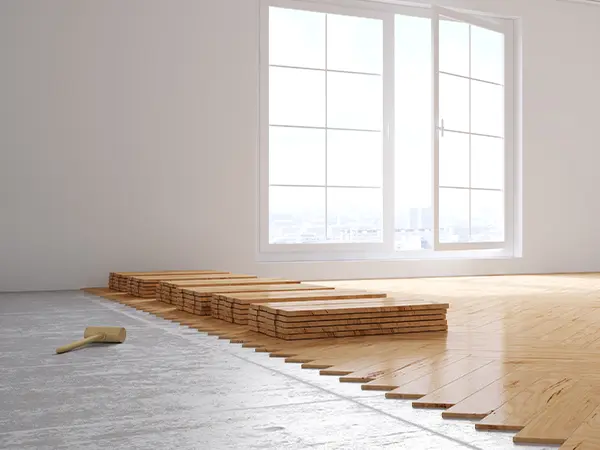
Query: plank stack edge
x: 317, y: 319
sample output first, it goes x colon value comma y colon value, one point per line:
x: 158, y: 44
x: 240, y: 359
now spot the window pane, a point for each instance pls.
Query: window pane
x: 354, y: 215
x: 454, y: 215
x: 487, y: 216
x: 296, y: 156
x: 354, y: 101
x: 354, y: 44
x: 487, y: 113
x: 414, y: 228
x: 413, y: 215
x: 296, y: 215
x: 354, y: 158
x: 487, y: 162
x: 454, y: 47
x: 296, y: 38
x: 413, y: 77
x: 454, y: 102
x: 296, y: 97
x: 454, y: 160
x: 487, y: 55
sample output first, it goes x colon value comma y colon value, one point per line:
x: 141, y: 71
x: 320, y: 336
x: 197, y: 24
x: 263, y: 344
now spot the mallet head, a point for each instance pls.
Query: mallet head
x: 115, y: 335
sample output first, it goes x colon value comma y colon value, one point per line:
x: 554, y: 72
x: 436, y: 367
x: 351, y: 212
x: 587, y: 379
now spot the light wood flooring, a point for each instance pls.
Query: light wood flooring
x: 522, y: 353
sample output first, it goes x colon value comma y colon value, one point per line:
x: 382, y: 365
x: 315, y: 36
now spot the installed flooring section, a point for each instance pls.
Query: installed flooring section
x: 170, y: 386
x: 522, y: 353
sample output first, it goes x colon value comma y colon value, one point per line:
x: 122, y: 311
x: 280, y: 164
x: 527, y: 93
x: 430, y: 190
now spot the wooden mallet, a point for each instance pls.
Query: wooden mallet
x: 111, y: 335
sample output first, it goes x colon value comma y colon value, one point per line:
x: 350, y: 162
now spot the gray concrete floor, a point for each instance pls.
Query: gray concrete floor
x: 170, y: 387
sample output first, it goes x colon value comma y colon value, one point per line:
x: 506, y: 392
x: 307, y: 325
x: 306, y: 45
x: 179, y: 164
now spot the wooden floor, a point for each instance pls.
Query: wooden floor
x: 522, y: 353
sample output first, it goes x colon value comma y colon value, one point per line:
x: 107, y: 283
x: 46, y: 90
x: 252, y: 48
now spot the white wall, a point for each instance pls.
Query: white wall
x: 128, y: 142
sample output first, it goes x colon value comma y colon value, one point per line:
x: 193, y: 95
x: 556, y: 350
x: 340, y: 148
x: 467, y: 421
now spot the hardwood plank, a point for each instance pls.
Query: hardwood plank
x: 294, y: 320
x: 165, y: 272
x: 437, y: 378
x: 276, y: 298
x: 332, y: 321
x: 177, y: 295
x: 399, y: 303
x: 355, y: 333
x: 198, y: 276
x: 490, y: 398
x: 375, y: 371
x: 334, y: 328
x: 520, y: 409
x: 587, y: 436
x: 373, y: 360
x: 458, y: 390
x: 353, y: 306
x: 208, y: 291
x: 412, y: 372
x: 197, y: 285
x: 559, y: 420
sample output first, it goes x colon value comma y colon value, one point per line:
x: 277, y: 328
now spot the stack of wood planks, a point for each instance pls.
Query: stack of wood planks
x: 172, y: 291
x: 234, y: 307
x: 119, y: 281
x: 349, y: 317
x: 198, y: 300
x: 282, y: 308
x: 145, y: 286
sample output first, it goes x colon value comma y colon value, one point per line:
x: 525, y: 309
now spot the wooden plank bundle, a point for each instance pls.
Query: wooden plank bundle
x: 234, y: 307
x: 171, y: 291
x: 145, y: 286
x: 119, y: 281
x: 197, y: 300
x: 343, y: 318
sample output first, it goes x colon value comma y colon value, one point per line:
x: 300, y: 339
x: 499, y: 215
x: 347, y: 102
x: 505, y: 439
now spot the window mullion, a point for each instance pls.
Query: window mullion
x: 435, y: 52
x: 388, y: 133
x: 326, y: 137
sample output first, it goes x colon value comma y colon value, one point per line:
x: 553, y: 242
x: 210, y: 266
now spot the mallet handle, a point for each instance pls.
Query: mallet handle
x: 80, y: 343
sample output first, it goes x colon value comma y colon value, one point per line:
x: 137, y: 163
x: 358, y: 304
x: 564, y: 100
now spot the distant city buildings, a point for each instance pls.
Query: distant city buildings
x: 413, y: 229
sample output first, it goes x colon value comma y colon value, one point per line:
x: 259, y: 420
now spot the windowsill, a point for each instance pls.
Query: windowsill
x: 425, y: 255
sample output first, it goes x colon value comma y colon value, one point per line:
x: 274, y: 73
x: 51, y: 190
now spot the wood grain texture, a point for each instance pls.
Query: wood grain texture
x: 412, y: 372
x: 438, y: 378
x: 555, y: 423
x: 488, y: 399
x: 450, y: 394
x: 520, y: 409
x: 587, y: 436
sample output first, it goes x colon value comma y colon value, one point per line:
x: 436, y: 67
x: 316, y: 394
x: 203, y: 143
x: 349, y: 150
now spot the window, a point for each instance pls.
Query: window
x: 385, y: 131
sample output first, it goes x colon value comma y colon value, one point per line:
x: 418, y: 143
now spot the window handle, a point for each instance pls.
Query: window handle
x: 442, y: 127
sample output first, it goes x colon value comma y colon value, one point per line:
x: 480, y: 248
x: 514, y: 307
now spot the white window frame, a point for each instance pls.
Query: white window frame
x: 386, y: 249
x: 506, y: 28
x: 387, y: 187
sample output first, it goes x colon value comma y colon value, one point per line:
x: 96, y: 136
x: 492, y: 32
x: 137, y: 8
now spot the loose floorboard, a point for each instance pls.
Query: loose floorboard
x: 538, y: 334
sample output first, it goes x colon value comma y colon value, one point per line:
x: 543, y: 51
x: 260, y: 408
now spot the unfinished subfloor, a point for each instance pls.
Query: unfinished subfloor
x: 169, y: 386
